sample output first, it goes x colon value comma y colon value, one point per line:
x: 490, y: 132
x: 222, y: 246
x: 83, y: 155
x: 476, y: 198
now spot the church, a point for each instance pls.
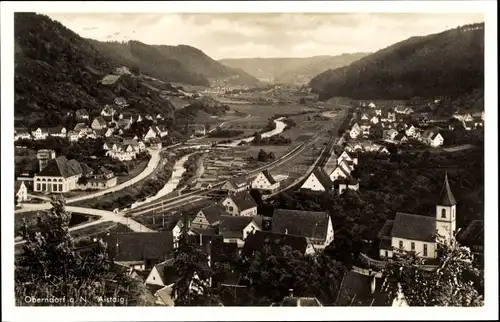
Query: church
x: 418, y: 233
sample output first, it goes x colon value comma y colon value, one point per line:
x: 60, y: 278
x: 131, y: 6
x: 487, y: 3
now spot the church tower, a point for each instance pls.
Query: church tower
x: 446, y: 213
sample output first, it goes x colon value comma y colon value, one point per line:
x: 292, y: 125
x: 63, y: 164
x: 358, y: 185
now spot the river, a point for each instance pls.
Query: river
x: 280, y: 126
x: 171, y: 184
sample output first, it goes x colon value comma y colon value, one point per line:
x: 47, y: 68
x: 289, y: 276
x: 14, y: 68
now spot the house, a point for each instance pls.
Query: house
x: 82, y: 115
x: 21, y: 133
x: 390, y: 134
x: 411, y: 131
x: 150, y: 134
x: 378, y: 112
x: 318, y: 180
x: 240, y: 204
x: 365, y: 117
x: 372, y: 105
x: 468, y: 125
x: 365, y: 127
x: 149, y: 117
x: 134, y: 144
x: 374, y: 119
x: 160, y: 282
x: 403, y: 110
x: 265, y: 181
x: 364, y: 290
x: 314, y: 225
x: 298, y: 301
x: 124, y: 123
x: 109, y: 132
x: 174, y: 222
x: 472, y: 236
x: 347, y: 183
x: 40, y: 134
x: 391, y: 116
x: 345, y: 156
x: 139, y: 250
x: 159, y: 117
x: 355, y: 132
x: 155, y: 143
x: 208, y: 217
x: 401, y: 138
x: 235, y: 229
x: 340, y: 172
x: 83, y: 130
x: 276, y: 241
x: 432, y: 138
x: 72, y: 136
x: 59, y: 175
x: 162, y: 131
x: 120, y: 102
x: 98, y: 123
x: 235, y: 185
x: 122, y: 152
x: 196, y: 130
x: 57, y: 131
x: 102, y: 178
x: 418, y: 233
x: 21, y: 191
x: 108, y: 110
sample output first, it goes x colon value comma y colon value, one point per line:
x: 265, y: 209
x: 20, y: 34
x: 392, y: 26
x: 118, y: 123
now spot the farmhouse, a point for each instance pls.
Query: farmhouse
x: 265, y: 181
x: 390, y: 134
x: 102, y: 178
x: 256, y: 242
x: 57, y: 131
x: 236, y: 229
x: 348, y: 183
x: 432, y: 138
x: 240, y: 204
x: 208, y: 217
x: 315, y: 226
x: 82, y: 115
x: 418, y: 233
x: 339, y: 172
x: 21, y: 133
x: 21, y: 191
x: 40, y: 134
x: 236, y: 185
x: 98, y: 123
x: 122, y: 152
x: 196, y: 130
x: 318, y: 180
x: 108, y: 111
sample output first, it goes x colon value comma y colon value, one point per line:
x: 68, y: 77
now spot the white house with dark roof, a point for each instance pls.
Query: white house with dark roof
x: 348, y: 183
x: 40, y: 134
x: 208, y: 217
x: 389, y: 135
x: 339, y: 172
x: 235, y: 229
x: 101, y: 178
x: 108, y: 111
x: 265, y: 181
x: 99, y: 123
x: 235, y: 185
x: 318, y: 180
x: 59, y: 175
x: 418, y: 233
x: 21, y: 191
x: 432, y: 138
x: 240, y: 204
x: 21, y: 133
x: 82, y: 115
x: 314, y: 225
x: 57, y: 131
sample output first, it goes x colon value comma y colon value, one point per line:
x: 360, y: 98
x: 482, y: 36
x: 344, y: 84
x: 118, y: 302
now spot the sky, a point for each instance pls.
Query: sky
x: 243, y: 35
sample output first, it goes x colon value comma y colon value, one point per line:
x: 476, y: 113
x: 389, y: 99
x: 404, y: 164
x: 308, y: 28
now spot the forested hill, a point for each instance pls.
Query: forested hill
x: 450, y: 63
x: 57, y: 72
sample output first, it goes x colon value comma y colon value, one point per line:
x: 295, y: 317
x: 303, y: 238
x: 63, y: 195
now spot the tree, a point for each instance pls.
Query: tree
x: 193, y: 286
x: 50, y: 267
x: 453, y: 283
x: 262, y: 156
x: 257, y: 138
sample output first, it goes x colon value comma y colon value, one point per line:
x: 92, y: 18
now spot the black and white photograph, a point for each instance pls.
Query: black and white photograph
x: 249, y: 158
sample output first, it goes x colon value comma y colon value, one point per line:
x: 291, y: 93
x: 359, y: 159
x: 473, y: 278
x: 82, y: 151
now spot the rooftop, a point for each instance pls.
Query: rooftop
x: 414, y: 227
x: 310, y: 224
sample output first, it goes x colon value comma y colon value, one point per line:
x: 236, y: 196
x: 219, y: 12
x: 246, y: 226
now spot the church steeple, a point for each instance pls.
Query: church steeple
x: 446, y: 196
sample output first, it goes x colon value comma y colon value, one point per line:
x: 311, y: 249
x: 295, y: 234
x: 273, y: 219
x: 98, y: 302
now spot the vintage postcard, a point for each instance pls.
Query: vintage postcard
x: 168, y: 157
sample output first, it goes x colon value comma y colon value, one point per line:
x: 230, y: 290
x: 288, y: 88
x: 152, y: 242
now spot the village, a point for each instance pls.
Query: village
x: 229, y: 191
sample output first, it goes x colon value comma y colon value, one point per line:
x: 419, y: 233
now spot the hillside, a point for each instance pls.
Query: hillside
x: 57, y: 72
x: 198, y: 62
x: 201, y: 111
x: 290, y: 70
x: 445, y: 64
x: 150, y: 60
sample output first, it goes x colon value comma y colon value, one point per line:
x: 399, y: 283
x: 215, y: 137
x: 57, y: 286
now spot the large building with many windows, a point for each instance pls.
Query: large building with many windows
x: 59, y: 175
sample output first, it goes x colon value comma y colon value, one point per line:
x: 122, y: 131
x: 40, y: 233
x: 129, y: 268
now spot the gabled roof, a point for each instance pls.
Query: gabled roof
x: 213, y: 212
x: 256, y: 242
x: 323, y: 178
x: 310, y: 224
x: 446, y: 197
x: 243, y: 200
x: 167, y: 271
x: 55, y: 130
x: 100, y: 120
x: 80, y: 126
x: 82, y: 112
x: 385, y: 232
x: 138, y: 246
x: 472, y: 235
x: 356, y: 290
x: 21, y: 130
x: 298, y: 301
x: 61, y: 167
x: 414, y: 227
x: 232, y: 226
x: 349, y: 180
x: 269, y: 177
x: 131, y: 142
x: 238, y: 182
